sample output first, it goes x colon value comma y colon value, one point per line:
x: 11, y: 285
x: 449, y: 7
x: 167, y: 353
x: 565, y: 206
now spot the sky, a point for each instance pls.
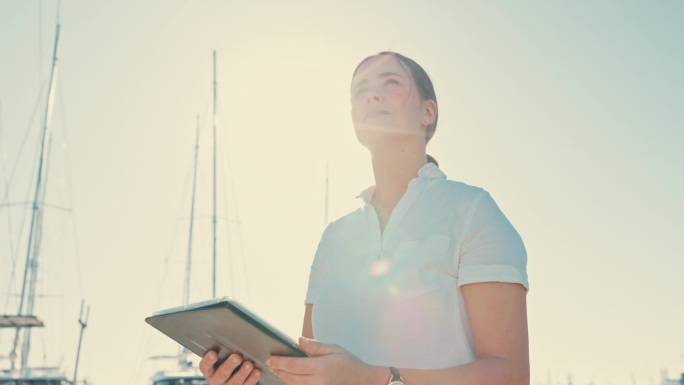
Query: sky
x: 568, y: 113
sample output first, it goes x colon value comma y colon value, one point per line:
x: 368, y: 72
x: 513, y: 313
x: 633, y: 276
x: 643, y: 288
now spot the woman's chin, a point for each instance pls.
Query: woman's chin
x: 382, y: 128
x: 373, y: 136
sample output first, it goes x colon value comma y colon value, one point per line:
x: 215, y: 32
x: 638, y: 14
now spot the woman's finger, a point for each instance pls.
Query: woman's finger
x: 241, y: 375
x: 226, y: 369
x: 206, y: 365
x: 253, y: 378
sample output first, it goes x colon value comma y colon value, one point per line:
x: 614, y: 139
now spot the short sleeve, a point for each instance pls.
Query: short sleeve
x: 491, y: 249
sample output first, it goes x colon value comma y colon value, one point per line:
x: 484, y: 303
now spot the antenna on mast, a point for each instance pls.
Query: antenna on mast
x: 83, y: 323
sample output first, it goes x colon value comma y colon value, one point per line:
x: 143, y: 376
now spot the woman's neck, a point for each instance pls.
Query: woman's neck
x: 393, y: 170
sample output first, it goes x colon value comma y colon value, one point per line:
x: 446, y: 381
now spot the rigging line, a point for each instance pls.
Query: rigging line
x: 12, y: 251
x: 29, y: 187
x: 58, y: 12
x: 41, y: 204
x: 229, y: 243
x: 178, y: 16
x: 36, y: 217
x: 214, y: 117
x: 172, y: 242
x: 23, y: 228
x: 35, y: 284
x: 188, y: 265
x: 70, y: 189
x: 24, y: 217
x: 40, y: 41
x: 155, y: 301
x: 23, y: 143
x: 240, y: 242
x: 186, y: 298
x: 226, y: 207
x: 56, y: 240
x: 43, y: 348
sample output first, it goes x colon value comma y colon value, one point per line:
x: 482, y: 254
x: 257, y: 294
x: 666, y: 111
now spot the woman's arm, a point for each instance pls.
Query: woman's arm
x: 307, y: 328
x: 498, y: 317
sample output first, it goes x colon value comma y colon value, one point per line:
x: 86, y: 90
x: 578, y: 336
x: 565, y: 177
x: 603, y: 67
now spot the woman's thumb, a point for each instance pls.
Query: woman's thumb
x: 314, y: 348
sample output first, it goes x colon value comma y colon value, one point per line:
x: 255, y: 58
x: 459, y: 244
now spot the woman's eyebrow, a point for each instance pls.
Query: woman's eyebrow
x: 380, y: 75
x: 364, y: 81
x: 388, y: 74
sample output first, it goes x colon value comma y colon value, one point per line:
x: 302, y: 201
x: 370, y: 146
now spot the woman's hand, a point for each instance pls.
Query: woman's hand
x: 246, y: 375
x: 327, y: 365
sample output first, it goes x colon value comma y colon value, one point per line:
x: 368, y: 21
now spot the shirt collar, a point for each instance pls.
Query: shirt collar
x: 429, y: 171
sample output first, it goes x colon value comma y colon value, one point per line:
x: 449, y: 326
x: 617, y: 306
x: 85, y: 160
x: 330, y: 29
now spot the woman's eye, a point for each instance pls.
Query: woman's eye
x: 391, y: 82
x: 360, y: 91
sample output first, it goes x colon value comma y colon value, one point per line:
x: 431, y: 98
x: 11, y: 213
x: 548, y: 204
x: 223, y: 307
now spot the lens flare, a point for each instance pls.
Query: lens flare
x: 380, y: 267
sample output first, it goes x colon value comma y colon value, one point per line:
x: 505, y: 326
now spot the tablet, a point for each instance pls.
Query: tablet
x: 226, y: 326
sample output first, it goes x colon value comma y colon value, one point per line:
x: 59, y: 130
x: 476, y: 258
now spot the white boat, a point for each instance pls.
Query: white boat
x: 670, y: 381
x: 188, y: 375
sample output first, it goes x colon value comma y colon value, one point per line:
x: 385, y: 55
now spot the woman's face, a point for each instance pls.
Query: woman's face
x: 385, y: 102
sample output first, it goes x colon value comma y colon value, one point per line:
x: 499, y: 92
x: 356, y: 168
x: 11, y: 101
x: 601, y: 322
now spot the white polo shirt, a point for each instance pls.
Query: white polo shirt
x: 393, y: 298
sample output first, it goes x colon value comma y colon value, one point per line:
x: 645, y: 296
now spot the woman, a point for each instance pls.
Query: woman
x: 426, y: 283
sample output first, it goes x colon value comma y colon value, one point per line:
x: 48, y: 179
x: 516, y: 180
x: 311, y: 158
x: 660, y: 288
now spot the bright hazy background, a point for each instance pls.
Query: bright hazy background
x: 571, y: 114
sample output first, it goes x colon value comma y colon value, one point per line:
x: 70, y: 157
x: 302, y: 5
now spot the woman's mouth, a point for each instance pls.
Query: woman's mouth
x: 376, y: 113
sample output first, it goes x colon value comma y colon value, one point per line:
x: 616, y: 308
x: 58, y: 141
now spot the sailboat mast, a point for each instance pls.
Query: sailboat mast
x: 188, y: 263
x: 213, y: 292
x: 34, y: 238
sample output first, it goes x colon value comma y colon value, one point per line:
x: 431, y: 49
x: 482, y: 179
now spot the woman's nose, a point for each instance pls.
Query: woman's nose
x: 373, y: 95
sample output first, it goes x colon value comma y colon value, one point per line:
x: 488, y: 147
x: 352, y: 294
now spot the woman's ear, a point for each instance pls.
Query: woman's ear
x: 429, y: 112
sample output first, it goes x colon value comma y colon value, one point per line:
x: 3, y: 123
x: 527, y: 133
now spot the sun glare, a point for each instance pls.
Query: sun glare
x: 380, y: 267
